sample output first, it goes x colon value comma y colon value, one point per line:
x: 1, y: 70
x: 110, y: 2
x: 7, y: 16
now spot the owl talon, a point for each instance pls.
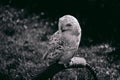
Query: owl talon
x: 66, y: 65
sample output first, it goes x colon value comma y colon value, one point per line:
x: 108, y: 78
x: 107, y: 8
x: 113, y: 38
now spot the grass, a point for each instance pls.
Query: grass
x: 23, y: 40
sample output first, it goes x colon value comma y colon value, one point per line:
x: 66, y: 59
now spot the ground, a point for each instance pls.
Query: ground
x: 23, y: 40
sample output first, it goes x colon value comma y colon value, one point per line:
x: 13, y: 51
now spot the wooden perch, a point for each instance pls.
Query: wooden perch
x: 53, y: 69
x: 49, y: 72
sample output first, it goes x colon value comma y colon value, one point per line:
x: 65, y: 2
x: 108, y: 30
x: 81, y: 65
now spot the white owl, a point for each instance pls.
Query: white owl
x: 65, y: 42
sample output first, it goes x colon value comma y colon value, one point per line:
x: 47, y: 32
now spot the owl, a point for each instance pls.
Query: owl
x: 64, y: 42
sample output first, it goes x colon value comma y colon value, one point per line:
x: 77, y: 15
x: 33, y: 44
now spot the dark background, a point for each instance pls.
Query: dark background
x: 99, y: 19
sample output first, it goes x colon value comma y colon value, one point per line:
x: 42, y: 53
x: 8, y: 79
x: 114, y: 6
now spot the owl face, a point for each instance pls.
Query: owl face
x: 69, y: 23
x: 67, y: 27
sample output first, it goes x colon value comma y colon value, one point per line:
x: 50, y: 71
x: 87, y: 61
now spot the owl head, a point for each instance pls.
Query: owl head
x: 69, y: 23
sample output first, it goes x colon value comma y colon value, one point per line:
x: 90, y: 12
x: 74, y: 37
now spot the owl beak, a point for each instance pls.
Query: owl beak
x: 63, y: 29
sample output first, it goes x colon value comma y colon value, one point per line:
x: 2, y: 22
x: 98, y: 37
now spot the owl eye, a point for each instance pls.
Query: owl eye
x: 68, y: 24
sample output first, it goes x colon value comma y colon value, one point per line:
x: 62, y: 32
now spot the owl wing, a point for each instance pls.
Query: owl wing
x: 55, y: 49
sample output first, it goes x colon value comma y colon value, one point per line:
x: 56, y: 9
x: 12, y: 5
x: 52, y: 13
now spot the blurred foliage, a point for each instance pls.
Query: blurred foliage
x: 99, y: 18
x: 23, y: 41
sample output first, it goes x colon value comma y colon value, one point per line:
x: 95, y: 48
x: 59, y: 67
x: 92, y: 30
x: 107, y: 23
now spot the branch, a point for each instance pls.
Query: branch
x: 87, y: 66
x: 49, y: 72
x: 76, y: 62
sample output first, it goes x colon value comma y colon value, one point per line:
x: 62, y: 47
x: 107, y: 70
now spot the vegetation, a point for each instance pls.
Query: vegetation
x: 23, y: 40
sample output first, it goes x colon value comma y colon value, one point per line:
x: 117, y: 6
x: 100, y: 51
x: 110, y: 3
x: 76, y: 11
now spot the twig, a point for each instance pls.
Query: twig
x: 53, y: 69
